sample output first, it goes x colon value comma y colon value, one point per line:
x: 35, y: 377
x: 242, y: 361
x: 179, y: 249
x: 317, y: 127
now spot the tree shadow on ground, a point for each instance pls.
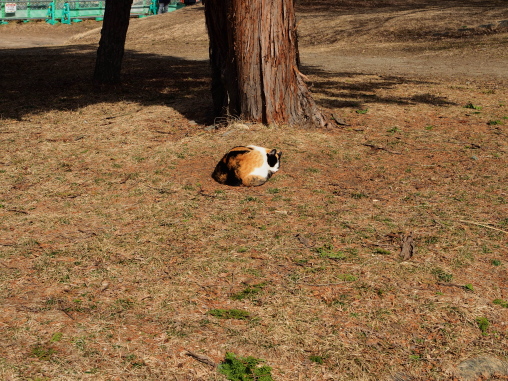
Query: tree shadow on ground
x: 39, y: 80
x: 355, y: 90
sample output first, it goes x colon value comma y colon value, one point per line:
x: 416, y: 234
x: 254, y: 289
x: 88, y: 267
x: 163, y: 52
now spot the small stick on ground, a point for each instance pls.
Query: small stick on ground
x: 381, y: 149
x: 17, y: 211
x: 483, y: 226
x: 450, y: 285
x: 65, y: 312
x: 201, y: 358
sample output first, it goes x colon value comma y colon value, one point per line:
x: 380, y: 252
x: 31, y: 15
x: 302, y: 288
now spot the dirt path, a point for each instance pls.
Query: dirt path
x: 40, y: 34
x: 344, y: 43
x: 427, y: 65
x: 446, y: 67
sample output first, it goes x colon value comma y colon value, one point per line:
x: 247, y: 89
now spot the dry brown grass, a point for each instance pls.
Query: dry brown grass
x: 115, y: 242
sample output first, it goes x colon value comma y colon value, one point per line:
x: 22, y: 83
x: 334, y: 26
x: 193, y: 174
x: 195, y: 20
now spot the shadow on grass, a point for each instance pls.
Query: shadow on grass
x: 38, y: 80
x: 345, y: 89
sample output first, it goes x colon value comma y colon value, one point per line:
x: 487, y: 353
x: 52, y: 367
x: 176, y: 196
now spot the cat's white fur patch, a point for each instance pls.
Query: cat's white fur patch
x: 263, y: 170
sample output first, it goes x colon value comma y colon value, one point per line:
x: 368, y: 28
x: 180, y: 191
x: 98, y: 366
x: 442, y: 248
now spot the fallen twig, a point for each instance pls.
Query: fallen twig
x: 162, y: 190
x: 65, y: 312
x: 450, y: 285
x: 204, y: 194
x: 483, y: 225
x: 125, y: 179
x: 17, y: 211
x: 381, y: 148
x: 201, y: 358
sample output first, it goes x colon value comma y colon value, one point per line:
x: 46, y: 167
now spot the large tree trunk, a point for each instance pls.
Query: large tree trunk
x: 253, y: 55
x: 111, y: 45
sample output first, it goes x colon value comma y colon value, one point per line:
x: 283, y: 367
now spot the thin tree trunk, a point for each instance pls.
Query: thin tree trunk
x: 253, y: 55
x: 222, y: 60
x: 112, y: 43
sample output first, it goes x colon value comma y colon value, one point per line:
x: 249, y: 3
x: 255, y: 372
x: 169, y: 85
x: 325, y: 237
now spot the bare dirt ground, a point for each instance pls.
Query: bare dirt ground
x: 120, y: 256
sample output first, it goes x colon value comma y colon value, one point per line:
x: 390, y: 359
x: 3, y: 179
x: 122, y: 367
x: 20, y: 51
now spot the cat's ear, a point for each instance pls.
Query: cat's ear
x: 274, y: 152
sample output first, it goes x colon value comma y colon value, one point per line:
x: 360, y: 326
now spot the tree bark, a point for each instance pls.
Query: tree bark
x: 110, y: 53
x: 254, y: 61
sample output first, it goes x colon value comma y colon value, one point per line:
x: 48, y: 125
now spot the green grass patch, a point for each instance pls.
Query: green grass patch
x: 328, y: 251
x: 501, y: 302
x: 442, y: 275
x: 484, y: 324
x: 42, y: 353
x: 317, y: 359
x: 347, y: 277
x: 229, y: 314
x: 358, y: 195
x: 57, y: 336
x: 237, y: 368
x: 382, y: 251
x: 250, y: 292
x: 471, y: 106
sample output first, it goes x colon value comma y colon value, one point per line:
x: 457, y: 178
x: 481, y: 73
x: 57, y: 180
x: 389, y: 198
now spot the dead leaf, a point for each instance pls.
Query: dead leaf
x: 249, y: 281
x: 340, y: 121
x: 104, y: 286
x: 304, y: 241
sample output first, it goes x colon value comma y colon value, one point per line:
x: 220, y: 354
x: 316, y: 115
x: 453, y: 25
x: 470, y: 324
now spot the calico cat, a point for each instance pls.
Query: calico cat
x: 249, y: 166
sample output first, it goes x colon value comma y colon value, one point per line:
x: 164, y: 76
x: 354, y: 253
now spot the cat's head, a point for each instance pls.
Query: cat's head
x: 273, y: 159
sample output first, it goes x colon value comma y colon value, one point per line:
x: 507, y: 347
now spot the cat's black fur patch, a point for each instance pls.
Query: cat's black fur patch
x: 232, y: 154
x: 233, y: 181
x: 272, y: 157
